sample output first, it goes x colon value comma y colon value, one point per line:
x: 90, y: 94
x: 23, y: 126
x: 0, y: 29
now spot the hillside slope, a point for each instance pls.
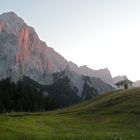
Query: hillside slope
x: 112, y: 116
x: 121, y: 101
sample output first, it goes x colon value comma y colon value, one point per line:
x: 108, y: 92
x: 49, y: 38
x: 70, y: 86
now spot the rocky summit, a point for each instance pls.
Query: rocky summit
x: 23, y: 54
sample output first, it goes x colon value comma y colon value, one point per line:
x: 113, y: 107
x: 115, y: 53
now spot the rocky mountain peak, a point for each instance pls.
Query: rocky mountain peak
x: 103, y: 74
x: 9, y: 15
x: 119, y: 78
x: 11, y: 23
x: 22, y: 52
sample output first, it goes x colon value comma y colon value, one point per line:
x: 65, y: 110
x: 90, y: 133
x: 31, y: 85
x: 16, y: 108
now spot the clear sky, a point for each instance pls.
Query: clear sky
x: 96, y: 33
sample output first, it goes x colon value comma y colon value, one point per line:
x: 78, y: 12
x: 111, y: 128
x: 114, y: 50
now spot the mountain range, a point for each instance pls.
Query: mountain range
x: 23, y: 56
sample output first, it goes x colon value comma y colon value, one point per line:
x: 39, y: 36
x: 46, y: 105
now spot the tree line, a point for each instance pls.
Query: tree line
x: 20, y: 97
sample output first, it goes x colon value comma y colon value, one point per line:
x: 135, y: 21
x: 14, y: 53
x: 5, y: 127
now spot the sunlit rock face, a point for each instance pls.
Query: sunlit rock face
x: 2, y: 26
x: 12, y: 22
x: 24, y: 56
x: 23, y: 53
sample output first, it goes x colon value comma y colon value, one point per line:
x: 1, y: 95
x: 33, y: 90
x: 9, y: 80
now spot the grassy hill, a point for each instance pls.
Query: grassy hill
x: 113, y: 116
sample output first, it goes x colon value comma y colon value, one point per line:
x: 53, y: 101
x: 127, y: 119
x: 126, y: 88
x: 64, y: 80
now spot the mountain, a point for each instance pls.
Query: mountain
x: 119, y: 78
x: 136, y: 83
x: 103, y: 74
x: 23, y: 54
x: 69, y: 88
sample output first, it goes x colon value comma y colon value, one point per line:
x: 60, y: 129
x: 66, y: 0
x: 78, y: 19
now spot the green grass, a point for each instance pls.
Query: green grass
x: 113, y: 116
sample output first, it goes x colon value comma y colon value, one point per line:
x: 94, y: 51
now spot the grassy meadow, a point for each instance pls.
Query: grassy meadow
x: 112, y: 116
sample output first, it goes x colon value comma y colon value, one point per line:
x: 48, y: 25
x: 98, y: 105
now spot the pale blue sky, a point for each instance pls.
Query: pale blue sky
x: 96, y: 33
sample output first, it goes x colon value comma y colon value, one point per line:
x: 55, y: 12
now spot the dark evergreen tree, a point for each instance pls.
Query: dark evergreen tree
x: 23, y: 97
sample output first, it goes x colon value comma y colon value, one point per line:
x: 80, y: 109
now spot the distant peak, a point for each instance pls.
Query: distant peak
x: 13, y: 23
x: 9, y: 15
